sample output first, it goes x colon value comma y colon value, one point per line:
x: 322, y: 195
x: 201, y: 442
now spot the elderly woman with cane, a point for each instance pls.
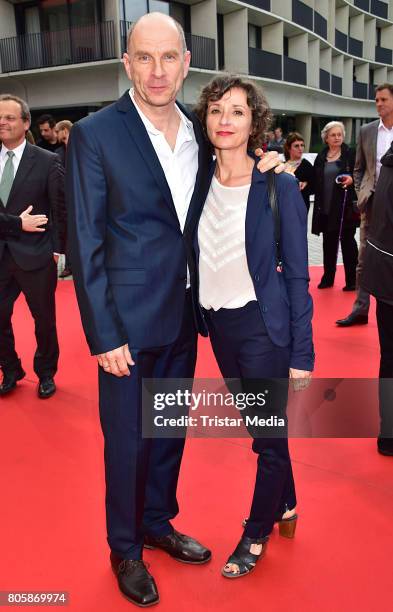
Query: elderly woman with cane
x: 333, y: 213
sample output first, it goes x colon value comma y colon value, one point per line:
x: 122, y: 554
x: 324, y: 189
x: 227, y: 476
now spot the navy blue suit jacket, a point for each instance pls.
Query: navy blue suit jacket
x: 129, y: 255
x: 283, y: 297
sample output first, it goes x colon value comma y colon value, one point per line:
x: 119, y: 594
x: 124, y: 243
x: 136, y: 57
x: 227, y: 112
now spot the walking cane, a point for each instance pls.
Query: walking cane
x: 339, y: 180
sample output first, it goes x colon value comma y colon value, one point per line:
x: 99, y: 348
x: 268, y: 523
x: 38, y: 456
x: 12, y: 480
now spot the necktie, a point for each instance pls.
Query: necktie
x: 7, y: 179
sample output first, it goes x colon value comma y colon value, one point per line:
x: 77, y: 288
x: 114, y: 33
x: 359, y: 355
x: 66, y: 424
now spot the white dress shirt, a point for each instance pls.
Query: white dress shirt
x: 224, y: 278
x: 18, y: 152
x: 384, y: 140
x: 180, y: 166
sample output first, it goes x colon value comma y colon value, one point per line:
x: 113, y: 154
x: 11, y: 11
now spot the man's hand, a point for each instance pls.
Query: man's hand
x: 302, y: 185
x: 270, y: 160
x: 56, y: 258
x: 117, y: 361
x: 301, y: 379
x: 31, y: 223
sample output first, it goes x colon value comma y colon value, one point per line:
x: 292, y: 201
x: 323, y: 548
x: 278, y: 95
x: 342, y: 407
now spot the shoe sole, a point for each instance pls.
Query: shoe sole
x: 385, y: 453
x: 149, y: 547
x: 44, y: 397
x: 148, y: 605
x: 230, y: 576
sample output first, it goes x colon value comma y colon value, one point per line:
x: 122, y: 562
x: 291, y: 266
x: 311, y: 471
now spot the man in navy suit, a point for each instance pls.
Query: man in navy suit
x: 136, y: 182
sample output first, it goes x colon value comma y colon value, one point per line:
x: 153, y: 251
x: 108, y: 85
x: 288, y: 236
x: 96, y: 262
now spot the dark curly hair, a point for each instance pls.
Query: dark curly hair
x: 261, y: 114
x: 291, y: 138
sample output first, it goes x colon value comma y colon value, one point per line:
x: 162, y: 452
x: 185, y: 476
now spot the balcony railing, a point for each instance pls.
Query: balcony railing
x: 360, y: 90
x: 383, y: 55
x: 363, y: 4
x: 379, y: 8
x: 295, y: 71
x: 302, y: 14
x: 341, y: 40
x: 355, y: 47
x: 320, y: 25
x: 371, y: 91
x: 264, y: 64
x: 203, y: 50
x: 262, y: 4
x: 44, y: 49
x: 324, y: 80
x: 337, y: 85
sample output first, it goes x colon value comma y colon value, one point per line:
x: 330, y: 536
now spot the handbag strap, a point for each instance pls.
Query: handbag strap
x: 273, y: 201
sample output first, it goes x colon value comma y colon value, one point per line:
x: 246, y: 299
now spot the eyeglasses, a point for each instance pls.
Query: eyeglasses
x: 298, y: 146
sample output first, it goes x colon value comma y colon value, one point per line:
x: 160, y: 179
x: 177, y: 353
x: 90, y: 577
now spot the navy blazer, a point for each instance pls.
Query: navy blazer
x: 283, y: 297
x: 129, y: 255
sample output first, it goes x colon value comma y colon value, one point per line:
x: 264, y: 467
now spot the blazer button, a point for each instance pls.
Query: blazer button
x: 264, y: 308
x: 256, y: 277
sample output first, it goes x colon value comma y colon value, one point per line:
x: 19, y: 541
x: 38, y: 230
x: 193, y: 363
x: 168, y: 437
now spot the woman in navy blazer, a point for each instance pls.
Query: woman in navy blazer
x: 258, y: 316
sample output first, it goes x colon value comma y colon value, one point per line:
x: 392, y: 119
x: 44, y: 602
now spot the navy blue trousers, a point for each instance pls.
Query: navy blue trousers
x: 244, y: 351
x: 141, y: 474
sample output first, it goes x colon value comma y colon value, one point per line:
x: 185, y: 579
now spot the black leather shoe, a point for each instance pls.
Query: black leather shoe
x: 135, y: 582
x: 324, y: 285
x: 46, y: 388
x: 349, y: 288
x: 181, y: 547
x: 385, y: 446
x: 10, y: 379
x: 352, y: 319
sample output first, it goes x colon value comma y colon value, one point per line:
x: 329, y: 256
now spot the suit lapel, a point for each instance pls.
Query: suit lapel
x: 24, y: 168
x: 203, y: 179
x: 373, y: 145
x: 139, y: 135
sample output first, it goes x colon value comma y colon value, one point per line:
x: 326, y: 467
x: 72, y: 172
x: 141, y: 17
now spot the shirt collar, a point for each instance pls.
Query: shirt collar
x: 383, y: 126
x: 151, y: 128
x: 18, y: 151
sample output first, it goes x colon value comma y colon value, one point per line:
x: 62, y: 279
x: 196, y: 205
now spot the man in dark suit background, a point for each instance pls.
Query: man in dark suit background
x: 31, y: 179
x: 136, y: 182
x: 373, y: 142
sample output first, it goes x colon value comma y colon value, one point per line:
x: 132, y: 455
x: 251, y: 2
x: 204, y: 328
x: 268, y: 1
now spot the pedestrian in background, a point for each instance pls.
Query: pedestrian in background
x: 302, y: 169
x: 333, y: 213
x: 48, y: 134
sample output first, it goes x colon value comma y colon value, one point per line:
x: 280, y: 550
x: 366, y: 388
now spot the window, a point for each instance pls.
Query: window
x: 254, y: 36
x: 379, y: 33
x: 220, y: 36
x: 286, y: 46
x: 131, y: 10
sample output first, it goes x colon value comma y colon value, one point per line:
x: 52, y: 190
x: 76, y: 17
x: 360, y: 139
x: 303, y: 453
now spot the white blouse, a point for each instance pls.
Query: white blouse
x: 224, y: 278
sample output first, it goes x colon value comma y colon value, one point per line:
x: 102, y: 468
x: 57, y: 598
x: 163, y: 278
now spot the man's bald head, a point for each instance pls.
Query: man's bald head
x: 157, y: 20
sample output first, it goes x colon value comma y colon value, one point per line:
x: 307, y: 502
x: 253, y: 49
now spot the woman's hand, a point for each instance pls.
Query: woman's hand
x: 347, y: 182
x: 301, y: 379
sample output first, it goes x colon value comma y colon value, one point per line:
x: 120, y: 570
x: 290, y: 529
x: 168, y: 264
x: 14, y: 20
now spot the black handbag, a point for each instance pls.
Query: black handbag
x: 273, y: 201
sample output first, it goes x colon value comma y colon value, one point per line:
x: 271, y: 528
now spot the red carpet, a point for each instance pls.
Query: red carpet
x: 52, y: 531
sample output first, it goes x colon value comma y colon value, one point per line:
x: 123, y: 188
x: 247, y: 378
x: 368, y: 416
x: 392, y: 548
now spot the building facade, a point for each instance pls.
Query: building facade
x: 316, y: 59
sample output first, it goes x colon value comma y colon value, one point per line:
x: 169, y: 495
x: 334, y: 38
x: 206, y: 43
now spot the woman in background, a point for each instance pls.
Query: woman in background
x: 333, y: 213
x: 302, y: 169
